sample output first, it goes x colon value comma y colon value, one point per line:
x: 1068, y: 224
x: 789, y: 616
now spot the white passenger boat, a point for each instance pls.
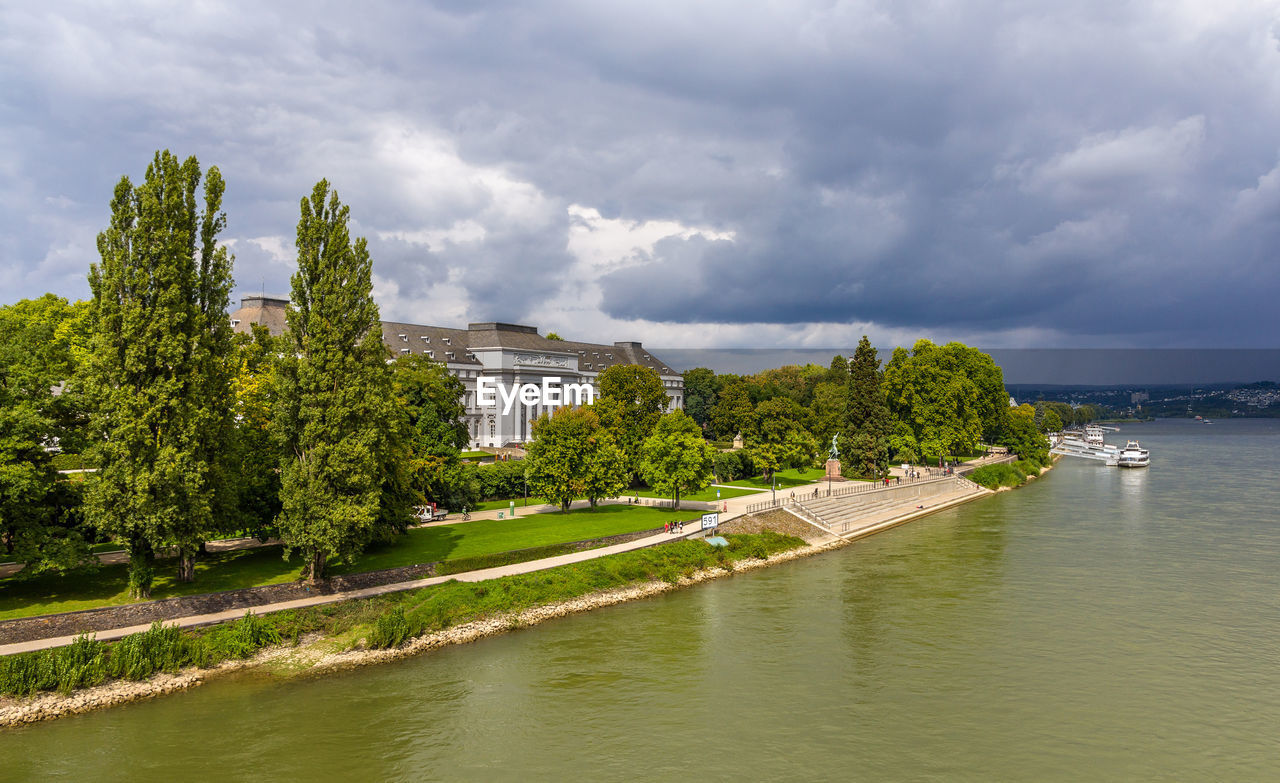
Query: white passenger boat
x: 1133, y: 456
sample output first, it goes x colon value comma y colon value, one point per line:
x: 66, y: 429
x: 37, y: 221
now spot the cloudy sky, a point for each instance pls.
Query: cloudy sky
x: 1029, y: 174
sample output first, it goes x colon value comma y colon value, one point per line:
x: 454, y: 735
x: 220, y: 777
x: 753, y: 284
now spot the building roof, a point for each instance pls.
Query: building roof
x: 261, y: 309
x: 439, y: 342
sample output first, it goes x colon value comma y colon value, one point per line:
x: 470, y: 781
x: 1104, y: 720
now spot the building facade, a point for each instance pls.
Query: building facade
x: 509, y: 355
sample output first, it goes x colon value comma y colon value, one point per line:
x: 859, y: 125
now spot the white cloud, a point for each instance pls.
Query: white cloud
x: 602, y: 244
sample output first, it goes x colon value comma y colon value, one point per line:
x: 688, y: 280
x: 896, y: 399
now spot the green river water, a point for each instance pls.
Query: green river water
x: 1099, y: 624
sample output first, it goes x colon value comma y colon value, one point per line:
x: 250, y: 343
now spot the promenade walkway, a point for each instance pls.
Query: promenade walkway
x: 691, y: 531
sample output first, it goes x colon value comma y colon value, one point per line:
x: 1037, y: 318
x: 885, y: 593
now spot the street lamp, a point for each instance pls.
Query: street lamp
x: 526, y: 487
x: 773, y: 488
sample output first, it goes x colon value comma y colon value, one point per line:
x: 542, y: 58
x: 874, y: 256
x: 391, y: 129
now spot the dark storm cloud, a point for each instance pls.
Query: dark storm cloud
x: 1101, y: 173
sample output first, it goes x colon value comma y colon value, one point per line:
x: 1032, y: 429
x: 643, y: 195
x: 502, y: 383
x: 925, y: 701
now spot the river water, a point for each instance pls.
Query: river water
x: 1098, y: 624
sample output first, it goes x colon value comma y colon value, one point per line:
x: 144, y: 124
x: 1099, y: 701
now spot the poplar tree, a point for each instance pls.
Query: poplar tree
x: 337, y: 419
x: 158, y: 374
x: 866, y: 434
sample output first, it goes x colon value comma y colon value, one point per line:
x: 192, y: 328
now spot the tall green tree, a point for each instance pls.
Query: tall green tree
x: 779, y: 436
x: 433, y: 403
x: 40, y: 523
x: 158, y: 374
x: 676, y: 458
x: 865, y: 445
x: 632, y: 398
x: 606, y: 468
x: 560, y: 455
x: 338, y: 422
x: 950, y: 397
x: 700, y: 387
x: 733, y: 413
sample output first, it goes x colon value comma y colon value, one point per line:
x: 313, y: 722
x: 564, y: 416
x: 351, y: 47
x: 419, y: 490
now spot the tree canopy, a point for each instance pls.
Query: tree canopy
x: 338, y: 423
x: 158, y: 374
x: 676, y: 458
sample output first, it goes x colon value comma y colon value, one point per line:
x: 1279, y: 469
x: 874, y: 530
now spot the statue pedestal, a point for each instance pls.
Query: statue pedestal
x: 833, y: 471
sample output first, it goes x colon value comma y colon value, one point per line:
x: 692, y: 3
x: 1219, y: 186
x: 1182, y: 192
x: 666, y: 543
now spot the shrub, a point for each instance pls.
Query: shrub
x: 242, y: 638
x: 140, y: 655
x: 996, y: 476
x: 391, y: 630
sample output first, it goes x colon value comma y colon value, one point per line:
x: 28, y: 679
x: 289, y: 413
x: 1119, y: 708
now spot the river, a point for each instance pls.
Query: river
x: 1098, y: 624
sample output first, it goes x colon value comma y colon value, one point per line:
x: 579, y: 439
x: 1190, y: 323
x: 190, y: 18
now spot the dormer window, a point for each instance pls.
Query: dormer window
x: 646, y: 357
x: 471, y: 356
x: 596, y: 354
x: 608, y: 356
x: 431, y: 354
x: 448, y: 354
x: 404, y: 350
x: 235, y: 322
x: 447, y: 340
x: 404, y: 338
x: 426, y: 338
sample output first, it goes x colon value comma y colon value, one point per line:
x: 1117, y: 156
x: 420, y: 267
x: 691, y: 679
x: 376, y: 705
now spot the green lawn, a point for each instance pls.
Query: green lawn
x: 106, y: 586
x: 792, y: 477
x: 489, y: 505
x: 707, y: 494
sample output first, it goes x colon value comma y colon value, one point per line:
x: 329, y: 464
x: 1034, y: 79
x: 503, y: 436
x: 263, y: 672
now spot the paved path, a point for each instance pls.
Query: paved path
x: 691, y: 531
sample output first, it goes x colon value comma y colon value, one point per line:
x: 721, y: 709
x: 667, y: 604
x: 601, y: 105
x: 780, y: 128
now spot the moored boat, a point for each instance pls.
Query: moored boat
x: 1133, y: 456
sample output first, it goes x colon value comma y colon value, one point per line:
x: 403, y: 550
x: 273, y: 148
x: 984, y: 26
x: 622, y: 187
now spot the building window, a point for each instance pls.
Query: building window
x: 493, y: 430
x: 404, y: 338
x: 404, y: 350
x: 426, y: 339
x: 235, y: 322
x: 447, y: 340
x: 431, y: 354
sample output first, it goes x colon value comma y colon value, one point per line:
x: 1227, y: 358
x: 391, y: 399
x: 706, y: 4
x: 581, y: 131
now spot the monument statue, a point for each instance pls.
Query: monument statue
x: 835, y: 451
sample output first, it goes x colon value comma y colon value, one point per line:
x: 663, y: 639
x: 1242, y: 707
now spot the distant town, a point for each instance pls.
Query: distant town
x: 1252, y: 400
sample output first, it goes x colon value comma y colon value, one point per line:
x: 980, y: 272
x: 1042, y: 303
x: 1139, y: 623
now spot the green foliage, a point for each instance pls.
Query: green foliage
x: 951, y: 397
x: 256, y: 461
x: 700, y: 393
x: 569, y: 452
x: 1023, y: 437
x: 865, y: 445
x: 778, y: 437
x: 675, y: 458
x: 1001, y: 475
x: 727, y: 466
x: 242, y: 638
x: 733, y: 412
x: 158, y: 373
x: 631, y: 400
x: 338, y: 422
x: 391, y: 630
x: 40, y: 522
x: 434, y: 407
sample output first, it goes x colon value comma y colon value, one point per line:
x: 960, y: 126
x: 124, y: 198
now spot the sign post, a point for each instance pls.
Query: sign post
x: 710, y: 521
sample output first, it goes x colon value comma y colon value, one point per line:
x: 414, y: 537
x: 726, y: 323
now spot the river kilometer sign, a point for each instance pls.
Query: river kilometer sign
x: 711, y: 520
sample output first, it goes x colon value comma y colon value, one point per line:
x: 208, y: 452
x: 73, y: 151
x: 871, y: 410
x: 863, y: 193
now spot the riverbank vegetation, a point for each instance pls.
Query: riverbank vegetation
x: 384, y: 621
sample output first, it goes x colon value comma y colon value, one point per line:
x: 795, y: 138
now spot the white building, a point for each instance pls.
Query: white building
x: 509, y: 354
